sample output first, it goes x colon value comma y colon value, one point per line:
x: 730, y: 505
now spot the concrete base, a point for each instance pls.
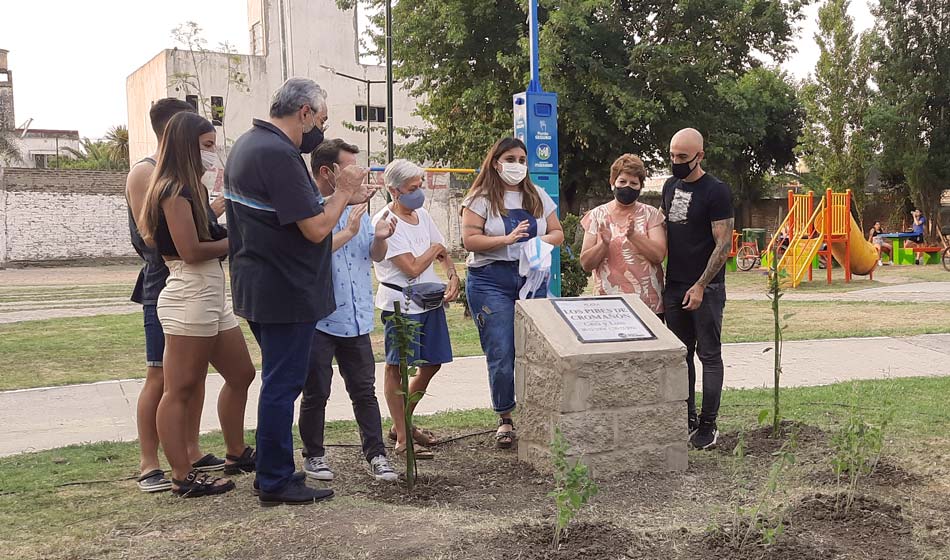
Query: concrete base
x: 620, y: 405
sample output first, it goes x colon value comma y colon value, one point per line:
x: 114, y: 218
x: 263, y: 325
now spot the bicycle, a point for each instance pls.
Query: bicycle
x: 748, y: 256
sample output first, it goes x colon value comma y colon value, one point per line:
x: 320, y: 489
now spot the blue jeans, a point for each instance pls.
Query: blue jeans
x: 701, y: 332
x: 492, y: 291
x: 285, y: 350
x: 154, y: 337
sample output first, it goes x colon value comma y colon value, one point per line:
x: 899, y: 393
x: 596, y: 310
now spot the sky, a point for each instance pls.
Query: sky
x: 69, y: 71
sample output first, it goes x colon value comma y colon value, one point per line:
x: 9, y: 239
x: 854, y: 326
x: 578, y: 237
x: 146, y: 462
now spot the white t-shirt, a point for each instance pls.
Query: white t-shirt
x: 498, y: 226
x: 408, y: 238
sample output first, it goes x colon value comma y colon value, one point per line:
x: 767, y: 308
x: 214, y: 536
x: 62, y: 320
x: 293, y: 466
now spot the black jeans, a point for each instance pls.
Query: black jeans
x: 354, y: 356
x: 700, y: 331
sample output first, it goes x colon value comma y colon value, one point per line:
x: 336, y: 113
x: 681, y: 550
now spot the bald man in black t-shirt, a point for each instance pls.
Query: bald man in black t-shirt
x: 699, y: 222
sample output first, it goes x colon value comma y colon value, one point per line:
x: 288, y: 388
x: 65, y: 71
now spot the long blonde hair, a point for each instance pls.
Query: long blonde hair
x: 179, y: 165
x: 489, y: 184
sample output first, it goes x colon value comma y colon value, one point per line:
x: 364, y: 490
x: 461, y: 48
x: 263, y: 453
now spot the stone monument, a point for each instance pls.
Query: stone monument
x: 609, y: 373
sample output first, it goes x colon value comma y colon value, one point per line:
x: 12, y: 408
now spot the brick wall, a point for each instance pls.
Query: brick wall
x: 49, y: 215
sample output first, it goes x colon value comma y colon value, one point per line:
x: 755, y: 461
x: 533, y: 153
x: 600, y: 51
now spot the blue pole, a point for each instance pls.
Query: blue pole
x: 535, y: 83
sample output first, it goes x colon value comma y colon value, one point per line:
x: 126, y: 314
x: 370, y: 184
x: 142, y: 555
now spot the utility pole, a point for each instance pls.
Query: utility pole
x: 389, y: 81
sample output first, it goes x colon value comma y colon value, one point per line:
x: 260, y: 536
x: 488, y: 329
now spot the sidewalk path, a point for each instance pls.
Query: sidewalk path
x: 920, y: 292
x: 37, y: 419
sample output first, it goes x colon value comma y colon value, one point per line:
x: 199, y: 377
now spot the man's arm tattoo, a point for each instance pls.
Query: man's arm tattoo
x: 722, y: 232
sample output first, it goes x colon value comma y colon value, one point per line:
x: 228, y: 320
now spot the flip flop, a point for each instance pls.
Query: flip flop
x: 422, y: 453
x: 422, y: 436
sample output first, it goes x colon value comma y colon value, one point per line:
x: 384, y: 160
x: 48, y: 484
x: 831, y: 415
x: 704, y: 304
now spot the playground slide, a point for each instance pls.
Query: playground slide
x: 863, y: 254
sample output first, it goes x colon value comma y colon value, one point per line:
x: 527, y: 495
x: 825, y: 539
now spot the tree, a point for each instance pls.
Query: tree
x: 834, y: 142
x: 754, y: 134
x: 910, y: 117
x: 117, y: 141
x: 9, y: 148
x: 628, y: 73
x: 93, y: 155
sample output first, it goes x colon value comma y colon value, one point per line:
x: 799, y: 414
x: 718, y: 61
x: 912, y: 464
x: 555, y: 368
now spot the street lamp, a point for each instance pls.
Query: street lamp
x: 368, y: 83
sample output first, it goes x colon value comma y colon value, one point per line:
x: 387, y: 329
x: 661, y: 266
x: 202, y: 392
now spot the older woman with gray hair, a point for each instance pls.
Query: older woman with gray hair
x: 407, y: 275
x: 280, y: 257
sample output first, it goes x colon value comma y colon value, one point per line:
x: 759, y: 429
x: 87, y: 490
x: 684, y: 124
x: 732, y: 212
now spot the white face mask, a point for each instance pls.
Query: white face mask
x: 513, y: 173
x: 213, y: 178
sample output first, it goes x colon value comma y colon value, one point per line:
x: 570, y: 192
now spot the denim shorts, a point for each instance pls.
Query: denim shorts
x: 154, y: 337
x: 431, y: 346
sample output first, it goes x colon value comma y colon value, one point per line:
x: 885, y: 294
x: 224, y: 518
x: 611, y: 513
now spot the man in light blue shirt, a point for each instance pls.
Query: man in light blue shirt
x: 344, y: 334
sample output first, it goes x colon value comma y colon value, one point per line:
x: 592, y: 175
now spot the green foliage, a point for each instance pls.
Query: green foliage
x: 909, y: 119
x: 9, y: 147
x: 764, y: 518
x: 628, y: 74
x: 834, y: 142
x: 109, y: 154
x: 775, y: 294
x: 573, y: 486
x: 404, y: 334
x: 857, y: 446
x: 573, y: 277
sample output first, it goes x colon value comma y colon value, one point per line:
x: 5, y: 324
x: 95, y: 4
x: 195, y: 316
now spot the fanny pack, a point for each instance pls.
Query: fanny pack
x: 427, y: 295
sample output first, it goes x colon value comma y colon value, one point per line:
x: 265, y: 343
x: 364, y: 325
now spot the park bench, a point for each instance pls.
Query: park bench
x: 928, y: 255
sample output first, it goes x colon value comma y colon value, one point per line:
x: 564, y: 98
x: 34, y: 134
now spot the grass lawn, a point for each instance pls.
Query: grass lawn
x: 755, y: 281
x: 86, y: 349
x: 78, y: 502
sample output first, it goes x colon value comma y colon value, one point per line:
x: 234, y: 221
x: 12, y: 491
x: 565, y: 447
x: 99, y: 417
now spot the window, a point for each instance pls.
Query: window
x: 4, y: 77
x: 376, y: 114
x: 217, y: 110
x: 193, y: 101
x: 257, y: 39
x: 40, y: 161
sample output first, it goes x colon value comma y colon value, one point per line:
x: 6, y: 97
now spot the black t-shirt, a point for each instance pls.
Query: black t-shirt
x: 164, y: 243
x: 690, y: 210
x: 277, y: 274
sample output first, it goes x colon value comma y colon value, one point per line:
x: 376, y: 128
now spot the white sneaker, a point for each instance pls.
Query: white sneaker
x: 318, y: 468
x: 382, y: 469
x: 880, y: 263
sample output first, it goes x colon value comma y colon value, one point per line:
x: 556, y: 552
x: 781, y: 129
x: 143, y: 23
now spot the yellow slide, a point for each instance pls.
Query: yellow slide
x: 863, y: 254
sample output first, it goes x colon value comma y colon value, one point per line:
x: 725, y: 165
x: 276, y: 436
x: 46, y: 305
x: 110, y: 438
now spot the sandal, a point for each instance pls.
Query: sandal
x: 421, y: 436
x: 208, y: 463
x: 154, y: 481
x: 422, y: 453
x: 245, y: 463
x: 198, y: 484
x: 504, y: 440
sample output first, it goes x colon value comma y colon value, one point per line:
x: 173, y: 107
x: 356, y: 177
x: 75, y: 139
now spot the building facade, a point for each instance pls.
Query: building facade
x: 308, y: 38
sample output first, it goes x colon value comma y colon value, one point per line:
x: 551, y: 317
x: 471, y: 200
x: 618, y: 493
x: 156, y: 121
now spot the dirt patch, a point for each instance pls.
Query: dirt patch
x: 878, y: 529
x: 760, y: 443
x: 740, y: 543
x: 469, y: 474
x: 886, y: 473
x: 591, y: 541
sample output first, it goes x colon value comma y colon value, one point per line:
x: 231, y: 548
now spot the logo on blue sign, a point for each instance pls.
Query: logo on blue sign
x: 544, y: 152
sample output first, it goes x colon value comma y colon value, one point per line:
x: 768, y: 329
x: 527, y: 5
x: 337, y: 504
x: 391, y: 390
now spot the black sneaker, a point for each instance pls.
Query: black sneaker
x: 705, y: 436
x: 294, y: 494
x: 298, y: 476
x: 692, y: 423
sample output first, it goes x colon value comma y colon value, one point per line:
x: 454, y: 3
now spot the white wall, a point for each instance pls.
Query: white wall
x: 62, y: 214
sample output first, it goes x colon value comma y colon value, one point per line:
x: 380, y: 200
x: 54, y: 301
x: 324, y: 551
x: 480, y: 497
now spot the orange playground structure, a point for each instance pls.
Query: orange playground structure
x: 827, y: 230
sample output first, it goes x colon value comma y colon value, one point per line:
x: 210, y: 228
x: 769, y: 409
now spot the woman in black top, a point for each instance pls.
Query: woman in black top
x: 199, y: 326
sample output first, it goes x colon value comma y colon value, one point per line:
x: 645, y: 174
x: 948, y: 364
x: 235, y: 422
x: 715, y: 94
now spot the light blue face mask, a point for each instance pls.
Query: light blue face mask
x: 413, y: 200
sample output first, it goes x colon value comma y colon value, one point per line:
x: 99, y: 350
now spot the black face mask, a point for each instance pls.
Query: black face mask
x: 311, y: 140
x: 682, y: 170
x: 626, y: 195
